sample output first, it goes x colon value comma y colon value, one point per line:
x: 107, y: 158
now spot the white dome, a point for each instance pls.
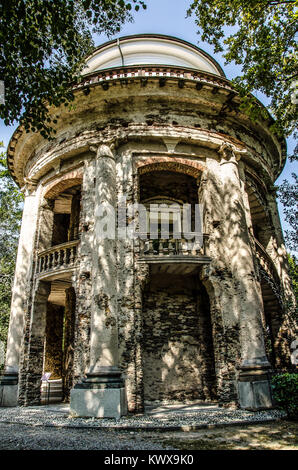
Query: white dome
x: 150, y: 50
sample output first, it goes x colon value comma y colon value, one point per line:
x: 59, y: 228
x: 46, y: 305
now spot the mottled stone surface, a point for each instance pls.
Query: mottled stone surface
x: 54, y: 341
x: 177, y: 341
x: 192, y: 337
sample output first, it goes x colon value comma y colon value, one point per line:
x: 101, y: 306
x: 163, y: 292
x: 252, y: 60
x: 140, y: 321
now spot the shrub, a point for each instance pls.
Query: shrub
x: 285, y: 393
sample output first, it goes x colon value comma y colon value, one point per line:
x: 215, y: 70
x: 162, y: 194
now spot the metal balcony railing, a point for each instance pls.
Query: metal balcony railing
x: 57, y: 257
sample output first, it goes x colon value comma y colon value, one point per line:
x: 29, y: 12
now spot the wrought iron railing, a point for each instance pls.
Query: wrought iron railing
x: 57, y: 257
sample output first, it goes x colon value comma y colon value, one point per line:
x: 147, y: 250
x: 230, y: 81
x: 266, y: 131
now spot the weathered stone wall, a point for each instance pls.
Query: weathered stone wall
x: 32, y: 364
x: 164, y: 128
x: 68, y: 346
x: 177, y: 344
x: 53, y: 354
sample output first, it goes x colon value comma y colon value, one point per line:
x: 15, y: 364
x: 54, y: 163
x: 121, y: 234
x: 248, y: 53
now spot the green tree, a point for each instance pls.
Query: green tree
x: 42, y: 46
x: 11, y: 202
x: 262, y: 40
x: 294, y: 274
x: 288, y: 195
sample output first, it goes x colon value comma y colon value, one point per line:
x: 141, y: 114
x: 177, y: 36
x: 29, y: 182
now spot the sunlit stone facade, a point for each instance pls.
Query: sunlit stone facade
x: 120, y: 323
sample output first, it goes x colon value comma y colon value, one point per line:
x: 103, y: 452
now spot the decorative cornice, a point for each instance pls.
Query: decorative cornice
x: 134, y: 75
x: 103, y: 77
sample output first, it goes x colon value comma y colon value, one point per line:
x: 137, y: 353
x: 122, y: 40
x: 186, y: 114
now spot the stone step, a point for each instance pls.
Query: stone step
x: 51, y: 391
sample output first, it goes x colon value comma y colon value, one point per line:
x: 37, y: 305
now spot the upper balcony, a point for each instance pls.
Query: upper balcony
x: 270, y: 279
x: 57, y: 261
x: 174, y: 255
x: 266, y: 263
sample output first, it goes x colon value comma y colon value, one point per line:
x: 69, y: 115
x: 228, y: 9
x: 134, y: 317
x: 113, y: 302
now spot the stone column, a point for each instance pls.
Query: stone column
x: 278, y: 250
x: 218, y: 280
x: 102, y: 393
x: 82, y: 281
x: 43, y: 241
x: 20, y: 295
x: 69, y: 332
x: 253, y: 385
x: 284, y: 322
x: 35, y: 358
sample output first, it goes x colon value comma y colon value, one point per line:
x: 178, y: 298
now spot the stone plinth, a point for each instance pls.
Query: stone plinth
x: 100, y: 395
x: 9, y: 388
x: 254, y: 389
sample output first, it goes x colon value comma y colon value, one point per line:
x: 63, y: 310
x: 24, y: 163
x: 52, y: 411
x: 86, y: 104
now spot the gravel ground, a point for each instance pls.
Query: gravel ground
x: 20, y: 437
x: 51, y: 428
x: 279, y: 435
x: 169, y: 418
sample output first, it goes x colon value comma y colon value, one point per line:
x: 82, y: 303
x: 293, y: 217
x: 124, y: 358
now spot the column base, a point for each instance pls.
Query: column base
x: 9, y: 389
x: 100, y: 395
x: 254, y: 389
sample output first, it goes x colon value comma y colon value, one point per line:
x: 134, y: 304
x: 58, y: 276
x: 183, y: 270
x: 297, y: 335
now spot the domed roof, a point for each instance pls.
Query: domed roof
x: 150, y: 49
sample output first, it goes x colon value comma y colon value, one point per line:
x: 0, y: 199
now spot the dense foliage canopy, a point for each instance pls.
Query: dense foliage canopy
x: 259, y: 35
x: 42, y: 44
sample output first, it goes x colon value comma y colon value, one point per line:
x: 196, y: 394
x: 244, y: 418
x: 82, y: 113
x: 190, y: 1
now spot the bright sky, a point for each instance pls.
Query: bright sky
x: 169, y: 17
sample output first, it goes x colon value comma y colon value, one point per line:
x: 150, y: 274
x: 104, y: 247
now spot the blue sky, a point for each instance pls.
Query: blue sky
x: 169, y: 17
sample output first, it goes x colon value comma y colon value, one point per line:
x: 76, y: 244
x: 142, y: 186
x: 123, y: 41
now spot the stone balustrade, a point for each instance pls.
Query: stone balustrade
x: 268, y: 271
x: 173, y: 247
x: 57, y: 257
x: 266, y: 262
x: 148, y: 71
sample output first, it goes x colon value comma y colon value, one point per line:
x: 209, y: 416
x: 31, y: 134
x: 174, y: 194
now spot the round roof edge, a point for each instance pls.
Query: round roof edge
x: 158, y: 36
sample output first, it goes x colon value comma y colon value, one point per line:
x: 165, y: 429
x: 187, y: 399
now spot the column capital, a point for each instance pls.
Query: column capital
x: 29, y: 187
x: 227, y: 153
x: 48, y: 204
x: 103, y: 149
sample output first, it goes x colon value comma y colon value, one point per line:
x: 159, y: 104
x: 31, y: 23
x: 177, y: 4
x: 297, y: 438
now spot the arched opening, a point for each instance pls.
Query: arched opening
x: 169, y: 188
x: 260, y: 219
x: 263, y: 233
x: 58, y: 239
x: 58, y: 343
x: 178, y: 356
x: 66, y: 216
x: 177, y: 345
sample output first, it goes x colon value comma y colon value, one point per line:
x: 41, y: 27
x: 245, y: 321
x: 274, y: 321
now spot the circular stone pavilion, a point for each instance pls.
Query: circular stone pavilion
x: 121, y: 322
